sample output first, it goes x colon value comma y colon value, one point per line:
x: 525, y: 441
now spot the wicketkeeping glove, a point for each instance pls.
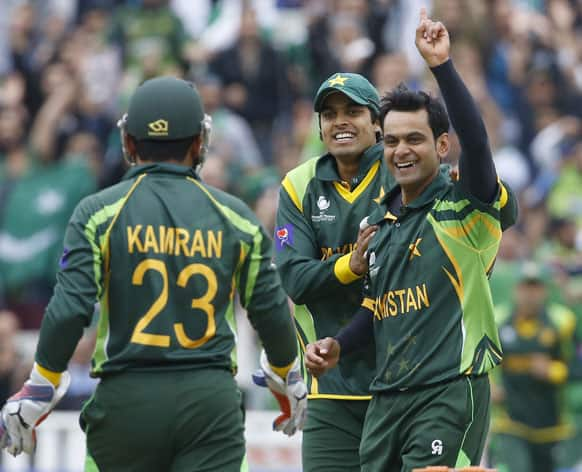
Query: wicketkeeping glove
x: 290, y: 393
x: 26, y: 409
x: 4, y: 439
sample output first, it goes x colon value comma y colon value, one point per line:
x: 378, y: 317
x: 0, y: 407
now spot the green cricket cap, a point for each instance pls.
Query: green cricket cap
x: 355, y: 86
x: 165, y: 109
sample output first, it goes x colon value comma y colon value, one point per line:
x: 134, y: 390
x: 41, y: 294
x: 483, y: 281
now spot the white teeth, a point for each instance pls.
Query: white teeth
x: 404, y: 165
x: 344, y: 136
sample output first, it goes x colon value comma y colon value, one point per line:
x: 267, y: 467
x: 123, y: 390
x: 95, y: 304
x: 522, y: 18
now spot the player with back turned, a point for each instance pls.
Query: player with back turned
x: 163, y: 254
x: 427, y: 304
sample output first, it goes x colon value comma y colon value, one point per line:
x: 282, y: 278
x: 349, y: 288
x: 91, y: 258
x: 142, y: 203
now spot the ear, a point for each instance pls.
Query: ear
x: 195, y: 152
x: 129, y: 143
x: 443, y: 145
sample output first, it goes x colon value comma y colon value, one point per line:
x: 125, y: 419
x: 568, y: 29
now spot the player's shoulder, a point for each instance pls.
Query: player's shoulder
x: 297, y: 180
x: 103, y: 200
x: 304, y: 170
x: 301, y: 175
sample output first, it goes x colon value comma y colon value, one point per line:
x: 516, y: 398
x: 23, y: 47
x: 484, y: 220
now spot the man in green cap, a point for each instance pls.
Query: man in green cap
x: 321, y: 205
x: 427, y: 306
x: 162, y: 253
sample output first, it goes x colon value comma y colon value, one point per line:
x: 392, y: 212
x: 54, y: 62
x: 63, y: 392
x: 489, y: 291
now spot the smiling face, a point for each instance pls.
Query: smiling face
x: 347, y: 129
x: 411, y: 152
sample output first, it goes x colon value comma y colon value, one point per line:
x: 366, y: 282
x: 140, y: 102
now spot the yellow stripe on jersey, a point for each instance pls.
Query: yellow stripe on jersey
x: 288, y: 186
x: 351, y: 196
x: 503, y: 195
x: 330, y: 396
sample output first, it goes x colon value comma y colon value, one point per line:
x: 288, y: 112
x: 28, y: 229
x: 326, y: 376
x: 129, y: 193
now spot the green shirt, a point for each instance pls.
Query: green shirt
x: 533, y: 407
x: 317, y: 228
x: 428, y: 288
x: 164, y: 254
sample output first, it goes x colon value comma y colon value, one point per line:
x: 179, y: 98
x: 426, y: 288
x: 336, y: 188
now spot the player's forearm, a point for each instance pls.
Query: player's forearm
x: 476, y: 169
x: 357, y: 334
x: 277, y: 334
x: 306, y: 279
x: 57, y: 341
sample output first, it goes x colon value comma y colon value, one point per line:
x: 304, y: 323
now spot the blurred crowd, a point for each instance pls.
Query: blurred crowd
x: 67, y: 68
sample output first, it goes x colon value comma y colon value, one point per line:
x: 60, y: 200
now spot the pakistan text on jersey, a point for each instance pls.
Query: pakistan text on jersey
x: 174, y: 241
x: 401, y: 302
x: 327, y: 252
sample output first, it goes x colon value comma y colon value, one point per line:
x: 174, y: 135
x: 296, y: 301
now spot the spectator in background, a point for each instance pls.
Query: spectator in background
x: 38, y: 195
x: 230, y: 131
x: 345, y: 36
x: 152, y: 41
x: 14, y: 367
x: 389, y: 70
x: 563, y: 254
x: 255, y: 83
x: 565, y: 198
x: 261, y: 191
x: 512, y: 252
x: 538, y: 341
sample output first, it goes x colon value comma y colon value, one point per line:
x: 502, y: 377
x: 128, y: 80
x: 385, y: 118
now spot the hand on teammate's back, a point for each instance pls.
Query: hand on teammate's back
x: 359, y: 258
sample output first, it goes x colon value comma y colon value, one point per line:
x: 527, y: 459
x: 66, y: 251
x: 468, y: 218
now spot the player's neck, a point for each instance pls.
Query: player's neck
x: 347, y: 169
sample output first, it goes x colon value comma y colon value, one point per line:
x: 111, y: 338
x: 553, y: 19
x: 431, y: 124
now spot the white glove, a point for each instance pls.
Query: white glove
x: 26, y: 409
x: 290, y: 393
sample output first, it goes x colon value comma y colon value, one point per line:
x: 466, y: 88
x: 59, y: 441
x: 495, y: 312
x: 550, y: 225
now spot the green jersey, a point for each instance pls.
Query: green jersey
x: 164, y: 254
x: 317, y: 228
x: 533, y: 407
x: 428, y: 288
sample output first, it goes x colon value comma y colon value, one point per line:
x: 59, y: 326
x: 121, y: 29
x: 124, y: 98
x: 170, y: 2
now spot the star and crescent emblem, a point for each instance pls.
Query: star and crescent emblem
x: 338, y: 80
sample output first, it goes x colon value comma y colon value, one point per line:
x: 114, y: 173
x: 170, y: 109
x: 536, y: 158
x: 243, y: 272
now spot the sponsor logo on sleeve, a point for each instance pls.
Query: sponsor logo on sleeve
x: 283, y: 236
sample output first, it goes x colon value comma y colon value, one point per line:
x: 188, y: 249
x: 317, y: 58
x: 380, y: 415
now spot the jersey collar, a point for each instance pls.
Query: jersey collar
x: 326, y: 168
x: 434, y: 189
x: 161, y: 168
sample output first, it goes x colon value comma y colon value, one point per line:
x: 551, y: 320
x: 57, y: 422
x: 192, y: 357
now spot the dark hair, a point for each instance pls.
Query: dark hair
x: 159, y: 151
x: 403, y: 99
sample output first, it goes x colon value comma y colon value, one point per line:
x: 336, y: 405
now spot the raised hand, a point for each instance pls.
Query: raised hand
x: 432, y: 40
